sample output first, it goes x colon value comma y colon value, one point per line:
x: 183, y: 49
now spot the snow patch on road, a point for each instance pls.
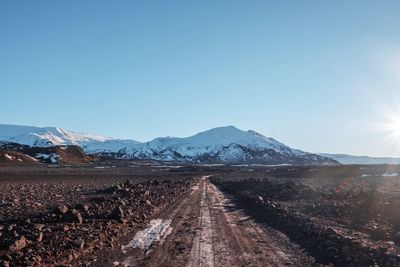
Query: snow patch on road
x: 194, y: 189
x: 386, y: 174
x: 156, y: 231
x: 366, y: 175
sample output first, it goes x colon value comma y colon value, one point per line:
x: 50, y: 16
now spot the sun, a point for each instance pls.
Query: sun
x: 387, y: 128
x: 392, y: 128
x: 393, y: 125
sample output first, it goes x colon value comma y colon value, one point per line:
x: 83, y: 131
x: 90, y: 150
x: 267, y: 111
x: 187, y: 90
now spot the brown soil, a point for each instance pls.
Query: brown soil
x: 47, y: 220
x: 122, y: 213
x: 209, y: 230
x: 10, y: 157
x: 347, y: 217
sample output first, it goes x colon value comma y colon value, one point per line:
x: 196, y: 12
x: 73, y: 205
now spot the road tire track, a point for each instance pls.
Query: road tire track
x: 202, y: 253
x: 208, y: 230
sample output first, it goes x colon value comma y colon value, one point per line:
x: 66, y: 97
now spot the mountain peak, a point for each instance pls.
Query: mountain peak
x: 227, y: 144
x: 228, y: 127
x: 224, y: 130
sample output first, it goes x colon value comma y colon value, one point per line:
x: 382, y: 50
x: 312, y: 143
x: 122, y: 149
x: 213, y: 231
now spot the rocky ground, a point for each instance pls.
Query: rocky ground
x: 121, y: 213
x: 205, y: 228
x: 347, y: 216
x: 50, y: 221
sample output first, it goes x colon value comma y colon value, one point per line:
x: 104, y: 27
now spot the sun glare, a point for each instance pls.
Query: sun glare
x: 392, y: 128
x: 393, y: 125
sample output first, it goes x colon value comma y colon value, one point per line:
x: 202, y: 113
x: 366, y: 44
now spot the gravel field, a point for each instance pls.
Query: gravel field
x: 122, y: 213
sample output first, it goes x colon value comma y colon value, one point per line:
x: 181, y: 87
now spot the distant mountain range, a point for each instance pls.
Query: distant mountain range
x: 52, y: 136
x: 349, y: 159
x: 219, y: 145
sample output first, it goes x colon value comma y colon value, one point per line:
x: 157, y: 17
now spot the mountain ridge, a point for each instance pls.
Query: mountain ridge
x: 54, y: 136
x: 226, y: 144
x: 363, y: 160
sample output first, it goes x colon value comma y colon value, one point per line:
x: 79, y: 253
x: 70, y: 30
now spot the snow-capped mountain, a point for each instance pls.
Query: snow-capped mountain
x: 223, y: 144
x: 219, y: 145
x: 52, y: 136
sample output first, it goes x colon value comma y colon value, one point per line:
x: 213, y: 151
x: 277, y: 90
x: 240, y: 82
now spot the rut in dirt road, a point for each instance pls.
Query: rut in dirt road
x: 205, y: 228
x: 202, y: 253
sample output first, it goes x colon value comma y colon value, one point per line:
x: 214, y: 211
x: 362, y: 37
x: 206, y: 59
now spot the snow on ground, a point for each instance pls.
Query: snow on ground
x: 156, y: 231
x: 365, y: 175
x: 386, y: 174
x: 262, y: 165
x: 54, y: 158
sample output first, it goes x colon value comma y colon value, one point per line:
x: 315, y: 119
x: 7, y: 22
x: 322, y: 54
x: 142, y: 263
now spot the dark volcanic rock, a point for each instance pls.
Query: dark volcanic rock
x: 378, y: 233
x: 79, y: 243
x: 52, y: 233
x: 396, y: 239
x: 39, y: 237
x: 73, y: 216
x: 82, y: 207
x: 321, y: 239
x: 118, y: 213
x: 62, y: 209
x: 18, y: 244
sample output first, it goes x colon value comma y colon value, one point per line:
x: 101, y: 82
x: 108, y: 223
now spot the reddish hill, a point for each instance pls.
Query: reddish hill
x: 72, y: 154
x: 54, y: 154
x: 13, y: 157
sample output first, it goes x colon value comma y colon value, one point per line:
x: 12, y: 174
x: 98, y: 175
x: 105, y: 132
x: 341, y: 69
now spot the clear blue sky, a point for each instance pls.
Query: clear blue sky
x: 315, y: 75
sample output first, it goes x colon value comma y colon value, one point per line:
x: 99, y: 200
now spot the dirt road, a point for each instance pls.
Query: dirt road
x: 205, y: 228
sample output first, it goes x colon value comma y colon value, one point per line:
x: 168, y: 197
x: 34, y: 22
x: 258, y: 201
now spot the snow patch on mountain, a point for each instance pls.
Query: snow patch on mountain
x: 219, y: 145
x: 223, y: 145
x: 52, y: 136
